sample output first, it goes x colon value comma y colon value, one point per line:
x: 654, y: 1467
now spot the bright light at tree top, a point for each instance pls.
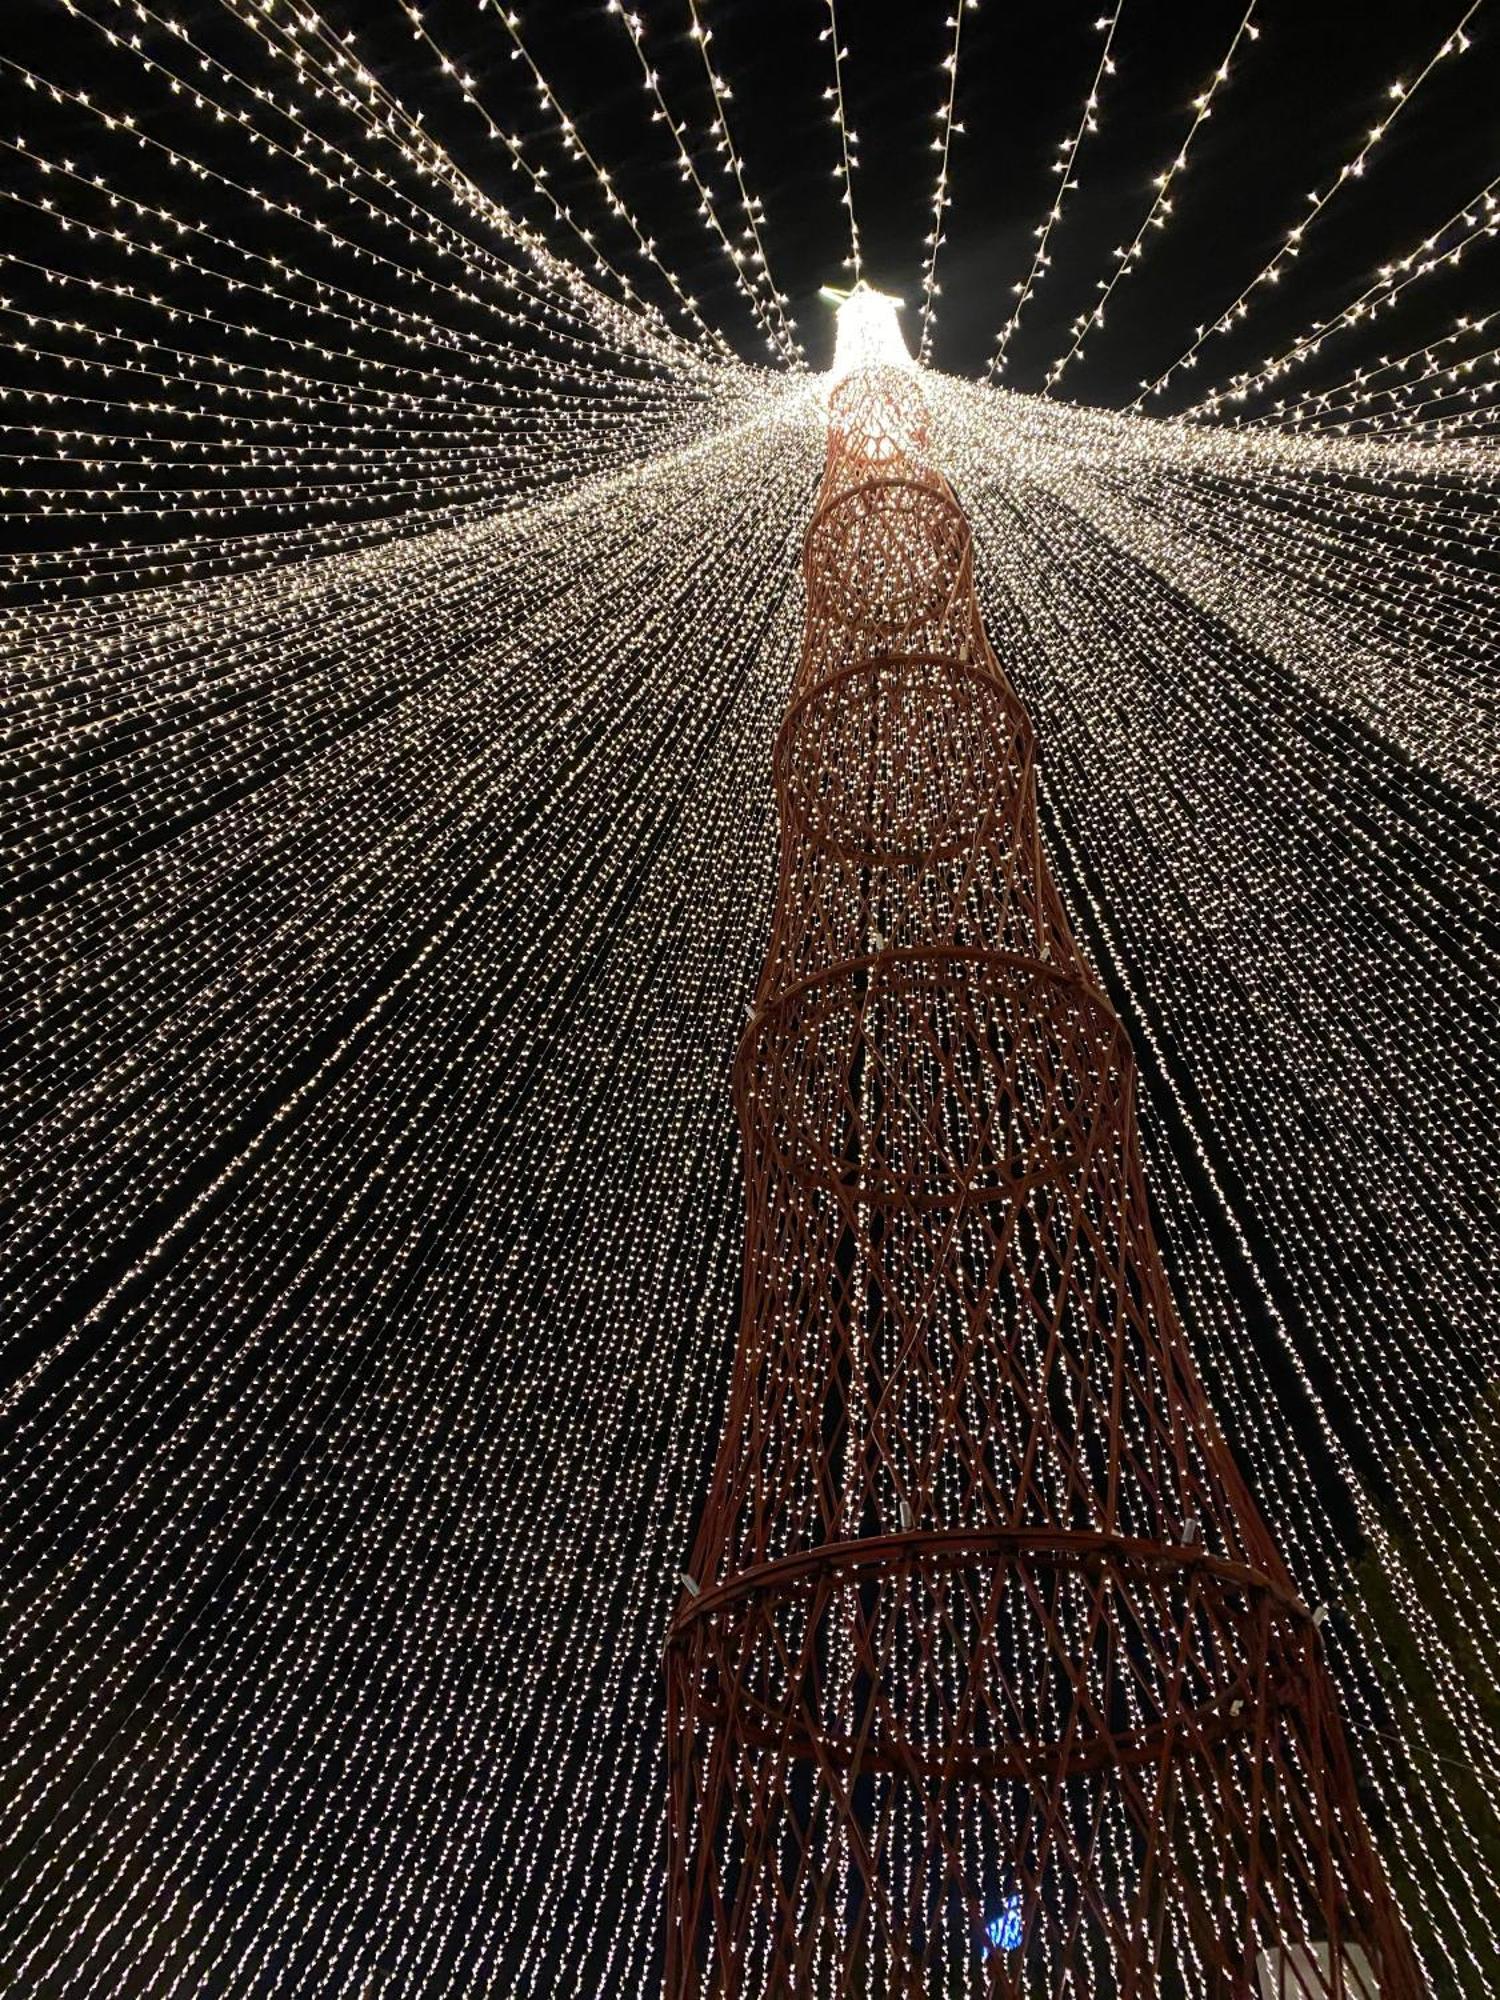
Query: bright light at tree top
x: 869, y: 333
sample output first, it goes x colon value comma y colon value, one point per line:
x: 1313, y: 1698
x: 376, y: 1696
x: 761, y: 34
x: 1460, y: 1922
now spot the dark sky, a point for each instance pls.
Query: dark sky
x: 1298, y: 103
x: 1296, y: 106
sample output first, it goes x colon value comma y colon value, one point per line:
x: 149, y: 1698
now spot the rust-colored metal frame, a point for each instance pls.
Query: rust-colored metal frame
x: 992, y: 1680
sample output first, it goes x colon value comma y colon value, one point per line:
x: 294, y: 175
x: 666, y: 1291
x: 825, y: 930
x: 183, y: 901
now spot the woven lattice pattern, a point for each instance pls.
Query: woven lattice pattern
x: 990, y: 1679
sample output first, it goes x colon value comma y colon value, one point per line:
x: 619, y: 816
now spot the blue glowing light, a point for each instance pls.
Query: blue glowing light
x: 1004, y: 1931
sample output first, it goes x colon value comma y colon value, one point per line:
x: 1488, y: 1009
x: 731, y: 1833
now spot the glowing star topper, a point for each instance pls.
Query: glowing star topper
x: 869, y: 333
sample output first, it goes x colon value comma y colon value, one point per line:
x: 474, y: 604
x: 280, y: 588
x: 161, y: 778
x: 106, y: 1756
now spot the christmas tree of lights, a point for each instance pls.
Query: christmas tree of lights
x: 408, y: 450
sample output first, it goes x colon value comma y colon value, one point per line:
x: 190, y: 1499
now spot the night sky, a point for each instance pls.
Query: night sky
x: 1300, y: 99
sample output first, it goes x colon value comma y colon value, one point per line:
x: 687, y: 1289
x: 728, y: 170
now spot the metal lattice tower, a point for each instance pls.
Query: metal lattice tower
x: 989, y: 1678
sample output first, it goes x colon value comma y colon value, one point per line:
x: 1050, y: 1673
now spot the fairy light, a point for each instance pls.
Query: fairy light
x: 765, y: 314
x: 1398, y: 96
x: 1063, y: 166
x: 941, y: 145
x: 1474, y: 423
x: 723, y: 135
x: 338, y: 1088
x: 576, y: 148
x: 1409, y: 408
x: 433, y: 231
x: 368, y: 314
x: 356, y: 90
x: 848, y: 144
x: 1364, y: 386
x: 1469, y: 379
x: 1476, y: 220
x: 562, y: 409
x: 1157, y: 215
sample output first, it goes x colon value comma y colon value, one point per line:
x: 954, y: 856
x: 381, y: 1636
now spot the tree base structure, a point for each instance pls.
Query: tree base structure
x: 969, y: 1787
x: 990, y: 1679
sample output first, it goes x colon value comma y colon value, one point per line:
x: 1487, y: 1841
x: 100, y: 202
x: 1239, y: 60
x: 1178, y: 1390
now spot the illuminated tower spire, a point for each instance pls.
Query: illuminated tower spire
x: 988, y: 1678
